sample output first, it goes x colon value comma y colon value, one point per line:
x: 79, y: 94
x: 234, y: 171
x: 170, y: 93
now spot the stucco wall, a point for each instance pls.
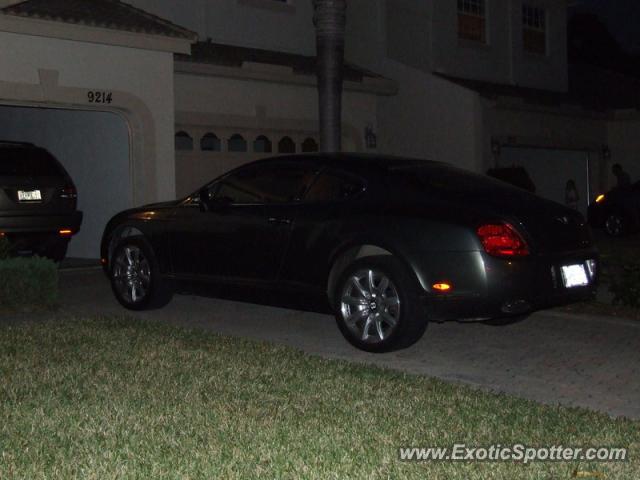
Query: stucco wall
x: 502, y: 59
x: 226, y: 106
x: 456, y: 57
x: 409, y: 33
x: 546, y: 72
x: 424, y: 35
x: 142, y: 81
x: 430, y: 118
x: 251, y: 23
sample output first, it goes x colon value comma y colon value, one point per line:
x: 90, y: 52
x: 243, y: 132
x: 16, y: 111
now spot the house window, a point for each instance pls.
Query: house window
x: 237, y: 143
x: 286, y: 145
x: 472, y: 20
x: 262, y: 145
x: 183, y: 141
x: 534, y: 30
x: 210, y: 143
x: 309, y: 145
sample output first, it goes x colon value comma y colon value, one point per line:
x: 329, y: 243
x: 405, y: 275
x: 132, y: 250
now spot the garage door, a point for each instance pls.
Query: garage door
x: 551, y: 169
x: 94, y: 148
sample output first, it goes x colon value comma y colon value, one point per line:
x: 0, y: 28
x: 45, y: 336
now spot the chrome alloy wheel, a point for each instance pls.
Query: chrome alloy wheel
x: 131, y: 274
x: 370, y: 305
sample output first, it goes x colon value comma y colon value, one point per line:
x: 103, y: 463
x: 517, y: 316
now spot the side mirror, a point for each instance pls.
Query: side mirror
x: 209, y: 203
x: 203, y: 199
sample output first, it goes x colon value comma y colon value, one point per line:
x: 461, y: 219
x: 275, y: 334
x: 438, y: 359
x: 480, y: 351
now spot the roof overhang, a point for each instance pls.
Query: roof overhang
x: 89, y: 34
x: 269, y: 73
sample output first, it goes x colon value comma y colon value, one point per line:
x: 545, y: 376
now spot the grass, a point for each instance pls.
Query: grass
x: 118, y: 399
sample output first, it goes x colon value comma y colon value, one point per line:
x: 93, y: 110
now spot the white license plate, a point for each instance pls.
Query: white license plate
x: 29, y: 196
x: 574, y: 276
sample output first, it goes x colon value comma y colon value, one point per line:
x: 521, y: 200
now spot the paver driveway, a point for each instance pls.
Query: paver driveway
x: 551, y: 357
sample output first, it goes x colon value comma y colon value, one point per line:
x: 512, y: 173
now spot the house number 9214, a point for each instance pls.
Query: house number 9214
x: 99, y: 97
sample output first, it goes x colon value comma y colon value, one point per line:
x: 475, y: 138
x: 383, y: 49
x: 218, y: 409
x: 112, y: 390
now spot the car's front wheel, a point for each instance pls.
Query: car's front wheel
x: 135, y: 276
x: 378, y: 306
x: 615, y: 224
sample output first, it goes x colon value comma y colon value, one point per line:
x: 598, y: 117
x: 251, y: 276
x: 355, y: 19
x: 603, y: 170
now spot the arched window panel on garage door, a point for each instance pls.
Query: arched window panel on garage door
x: 237, y: 143
x: 310, y: 145
x: 183, y: 141
x: 262, y: 145
x: 210, y: 143
x: 286, y: 145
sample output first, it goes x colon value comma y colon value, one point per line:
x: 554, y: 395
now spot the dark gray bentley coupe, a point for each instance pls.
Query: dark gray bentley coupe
x: 392, y: 243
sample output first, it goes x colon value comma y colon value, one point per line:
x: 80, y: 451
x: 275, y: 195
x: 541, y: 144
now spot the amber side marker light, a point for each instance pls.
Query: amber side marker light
x: 442, y: 287
x: 103, y: 261
x: 65, y: 232
x: 599, y: 198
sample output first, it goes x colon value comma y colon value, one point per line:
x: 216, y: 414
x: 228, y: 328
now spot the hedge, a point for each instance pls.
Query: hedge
x: 28, y: 282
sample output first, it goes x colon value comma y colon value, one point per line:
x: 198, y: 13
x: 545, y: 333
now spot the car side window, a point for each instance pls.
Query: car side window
x: 271, y: 183
x: 334, y: 186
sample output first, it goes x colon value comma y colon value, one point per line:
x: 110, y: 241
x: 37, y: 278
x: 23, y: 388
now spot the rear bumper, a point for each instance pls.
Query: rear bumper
x: 496, y: 288
x: 41, y: 223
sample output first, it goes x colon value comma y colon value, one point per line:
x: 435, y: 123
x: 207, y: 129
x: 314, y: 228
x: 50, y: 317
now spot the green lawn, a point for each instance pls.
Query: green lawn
x: 118, y: 399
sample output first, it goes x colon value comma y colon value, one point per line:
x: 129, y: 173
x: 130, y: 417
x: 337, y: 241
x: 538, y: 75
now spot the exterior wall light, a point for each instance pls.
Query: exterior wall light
x: 370, y: 137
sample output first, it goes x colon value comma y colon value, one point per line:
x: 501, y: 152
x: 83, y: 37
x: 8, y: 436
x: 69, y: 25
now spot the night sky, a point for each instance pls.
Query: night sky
x: 622, y: 17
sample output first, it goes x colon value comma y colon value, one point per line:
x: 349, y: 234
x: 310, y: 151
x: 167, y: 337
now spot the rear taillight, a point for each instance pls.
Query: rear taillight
x: 69, y: 192
x: 502, y: 240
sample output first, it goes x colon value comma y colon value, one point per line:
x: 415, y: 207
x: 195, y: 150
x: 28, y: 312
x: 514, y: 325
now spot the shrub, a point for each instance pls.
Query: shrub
x: 626, y: 286
x: 5, y: 248
x: 28, y: 282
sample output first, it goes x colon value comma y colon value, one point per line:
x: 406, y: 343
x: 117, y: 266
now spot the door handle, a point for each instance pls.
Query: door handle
x: 279, y: 221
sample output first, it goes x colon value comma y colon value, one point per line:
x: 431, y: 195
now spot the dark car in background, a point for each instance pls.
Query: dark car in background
x: 38, y: 201
x: 617, y: 211
x: 391, y: 243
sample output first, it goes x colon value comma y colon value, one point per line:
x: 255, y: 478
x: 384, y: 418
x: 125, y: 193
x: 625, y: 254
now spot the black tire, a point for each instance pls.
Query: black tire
x: 615, y: 224
x: 56, y: 250
x: 135, y: 276
x: 374, y: 311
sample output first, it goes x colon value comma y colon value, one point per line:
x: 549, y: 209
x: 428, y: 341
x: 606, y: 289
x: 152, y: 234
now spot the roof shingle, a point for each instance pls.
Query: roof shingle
x: 111, y: 14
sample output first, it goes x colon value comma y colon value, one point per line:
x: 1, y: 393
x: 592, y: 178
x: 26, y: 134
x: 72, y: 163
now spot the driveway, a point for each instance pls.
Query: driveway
x: 551, y: 357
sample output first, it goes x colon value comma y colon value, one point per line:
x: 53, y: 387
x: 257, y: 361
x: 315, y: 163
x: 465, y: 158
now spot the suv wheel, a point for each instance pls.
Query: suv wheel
x: 135, y: 276
x: 377, y: 305
x: 57, y: 251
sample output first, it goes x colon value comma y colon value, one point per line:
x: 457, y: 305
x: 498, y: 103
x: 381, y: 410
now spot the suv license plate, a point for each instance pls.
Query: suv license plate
x: 29, y: 196
x: 574, y: 276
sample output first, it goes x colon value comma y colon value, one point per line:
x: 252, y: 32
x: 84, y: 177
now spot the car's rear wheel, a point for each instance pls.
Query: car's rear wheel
x: 135, y: 276
x: 615, y: 224
x: 377, y: 305
x: 57, y: 250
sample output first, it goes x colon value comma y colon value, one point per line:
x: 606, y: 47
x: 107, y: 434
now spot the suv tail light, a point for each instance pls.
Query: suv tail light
x: 502, y: 240
x: 69, y: 192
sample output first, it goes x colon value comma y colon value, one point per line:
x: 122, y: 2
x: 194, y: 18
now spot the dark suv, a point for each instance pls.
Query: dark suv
x: 38, y: 201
